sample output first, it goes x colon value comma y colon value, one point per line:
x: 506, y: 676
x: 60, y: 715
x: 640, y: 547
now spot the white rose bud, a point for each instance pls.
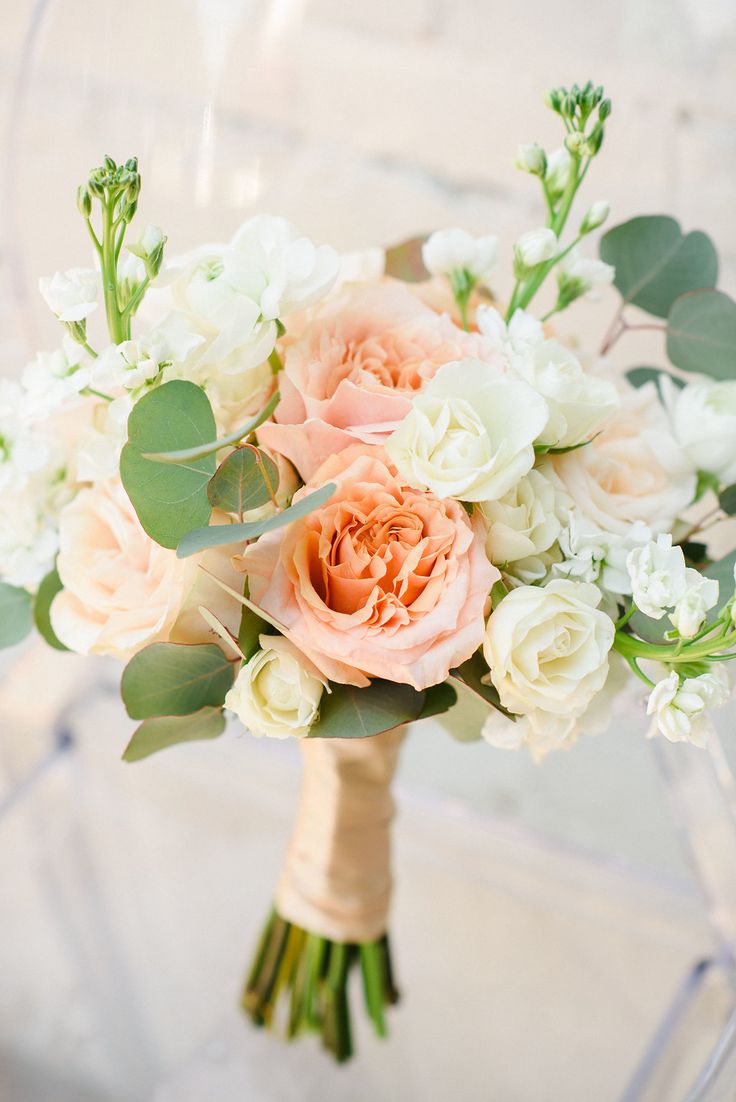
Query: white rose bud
x: 704, y: 421
x: 534, y: 248
x: 277, y: 692
x: 596, y: 216
x: 700, y: 595
x: 547, y: 648
x: 658, y: 576
x: 531, y: 158
x: 470, y: 433
x: 71, y: 295
x: 448, y: 251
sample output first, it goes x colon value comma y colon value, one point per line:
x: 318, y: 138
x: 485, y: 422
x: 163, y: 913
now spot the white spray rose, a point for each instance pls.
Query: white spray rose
x: 679, y: 710
x: 448, y: 251
x: 658, y: 576
x: 534, y: 248
x: 578, y: 403
x: 523, y: 524
x: 704, y: 421
x: 470, y: 433
x: 71, y: 295
x: 700, y: 595
x: 277, y: 692
x: 547, y: 648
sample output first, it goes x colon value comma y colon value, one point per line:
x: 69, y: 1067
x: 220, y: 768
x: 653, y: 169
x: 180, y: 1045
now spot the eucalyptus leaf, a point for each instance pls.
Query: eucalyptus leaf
x: 349, y: 712
x: 251, y: 627
x: 656, y: 263
x: 727, y: 500
x: 722, y: 571
x: 472, y: 674
x: 16, y: 614
x: 163, y: 731
x: 404, y: 261
x: 170, y: 500
x: 639, y: 376
x: 211, y: 447
x: 245, y: 480
x: 47, y: 590
x: 437, y: 700
x: 175, y: 679
x: 219, y: 535
x: 701, y: 334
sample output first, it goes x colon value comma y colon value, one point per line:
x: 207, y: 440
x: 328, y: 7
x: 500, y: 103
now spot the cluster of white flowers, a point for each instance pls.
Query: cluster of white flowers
x: 660, y: 580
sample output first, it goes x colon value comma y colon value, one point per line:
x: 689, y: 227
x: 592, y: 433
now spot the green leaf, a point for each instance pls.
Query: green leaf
x: 251, y: 626
x: 239, y: 484
x: 185, y: 455
x: 404, y: 261
x: 696, y: 553
x: 348, y: 712
x: 219, y: 535
x: 727, y: 500
x: 48, y: 589
x: 706, y: 481
x: 163, y: 731
x: 499, y: 590
x: 169, y: 500
x: 16, y: 614
x: 701, y: 334
x: 655, y: 263
x: 471, y: 674
x: 651, y: 631
x: 438, y: 699
x: 175, y: 679
x: 639, y: 376
x: 722, y: 571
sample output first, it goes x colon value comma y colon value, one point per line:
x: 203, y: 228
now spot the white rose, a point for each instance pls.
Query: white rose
x: 679, y: 709
x: 547, y: 648
x: 634, y: 470
x: 277, y: 692
x: 525, y: 522
x: 658, y: 576
x: 71, y: 295
x: 121, y: 590
x: 704, y: 421
x: 533, y: 248
x: 701, y: 594
x: 448, y: 251
x: 578, y: 403
x: 470, y: 433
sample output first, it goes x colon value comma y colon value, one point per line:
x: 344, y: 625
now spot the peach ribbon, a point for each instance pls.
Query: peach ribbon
x: 336, y: 879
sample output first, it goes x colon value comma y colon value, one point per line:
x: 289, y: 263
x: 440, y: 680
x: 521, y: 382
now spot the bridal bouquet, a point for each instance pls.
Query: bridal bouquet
x: 325, y: 494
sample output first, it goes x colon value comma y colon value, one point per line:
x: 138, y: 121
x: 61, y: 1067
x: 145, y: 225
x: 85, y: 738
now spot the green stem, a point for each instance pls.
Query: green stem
x: 631, y: 647
x: 135, y: 300
x: 118, y: 325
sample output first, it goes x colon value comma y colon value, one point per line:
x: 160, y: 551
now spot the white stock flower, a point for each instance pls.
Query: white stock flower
x: 469, y: 433
x: 71, y: 295
x: 591, y: 554
x: 580, y: 275
x: 658, y: 576
x: 578, y: 403
x: 524, y: 524
x: 22, y: 451
x: 700, y: 595
x: 679, y: 710
x: 547, y: 649
x: 517, y: 339
x: 100, y: 443
x: 531, y: 158
x: 277, y: 692
x: 595, y: 216
x: 149, y: 240
x: 534, y: 248
x: 53, y: 377
x: 136, y: 363
x: 448, y: 251
x: 559, y: 165
x: 704, y: 421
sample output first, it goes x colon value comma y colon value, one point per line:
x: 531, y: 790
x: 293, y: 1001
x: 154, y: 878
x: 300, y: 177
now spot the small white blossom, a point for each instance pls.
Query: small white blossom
x: 53, y: 377
x: 679, y: 709
x: 518, y: 338
x: 593, y: 555
x: 658, y: 576
x: 559, y: 166
x: 534, y: 248
x: 578, y: 275
x: 22, y: 450
x: 595, y: 216
x: 71, y: 295
x: 448, y: 251
x: 531, y: 158
x: 701, y: 594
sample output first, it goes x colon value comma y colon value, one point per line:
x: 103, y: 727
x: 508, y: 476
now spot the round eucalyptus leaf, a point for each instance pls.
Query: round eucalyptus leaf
x: 16, y: 614
x: 701, y: 334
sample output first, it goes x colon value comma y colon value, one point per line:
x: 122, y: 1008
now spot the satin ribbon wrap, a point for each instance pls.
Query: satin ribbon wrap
x: 336, y: 879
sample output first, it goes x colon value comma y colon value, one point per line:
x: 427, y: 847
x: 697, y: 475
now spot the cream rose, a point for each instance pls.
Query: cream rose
x: 634, y: 470
x: 704, y: 420
x: 524, y: 524
x: 547, y: 649
x: 277, y: 692
x: 470, y: 433
x: 121, y: 590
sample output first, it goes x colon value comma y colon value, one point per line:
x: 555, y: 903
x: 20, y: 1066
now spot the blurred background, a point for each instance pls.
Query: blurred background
x: 548, y: 908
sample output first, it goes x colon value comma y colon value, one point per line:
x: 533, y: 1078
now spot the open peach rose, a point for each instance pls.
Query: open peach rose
x: 351, y: 375
x: 121, y: 590
x: 382, y: 581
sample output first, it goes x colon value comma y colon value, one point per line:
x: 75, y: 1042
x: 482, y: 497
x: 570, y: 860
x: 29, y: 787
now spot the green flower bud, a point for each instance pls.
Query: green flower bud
x: 575, y: 143
x: 604, y: 110
x: 110, y: 164
x: 567, y: 108
x: 595, y: 217
x: 594, y: 140
x: 132, y: 164
x: 84, y: 201
x: 553, y: 99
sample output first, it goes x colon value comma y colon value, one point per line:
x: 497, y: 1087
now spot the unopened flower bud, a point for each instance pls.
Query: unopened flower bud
x: 531, y: 158
x: 533, y: 248
x: 594, y: 140
x: 575, y: 143
x: 595, y: 217
x: 604, y: 110
x: 84, y: 201
x: 552, y: 99
x: 132, y: 164
x: 110, y: 164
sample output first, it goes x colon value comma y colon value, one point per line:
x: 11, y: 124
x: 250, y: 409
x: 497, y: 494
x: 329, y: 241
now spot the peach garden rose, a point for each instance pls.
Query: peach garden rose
x: 352, y: 373
x: 383, y: 581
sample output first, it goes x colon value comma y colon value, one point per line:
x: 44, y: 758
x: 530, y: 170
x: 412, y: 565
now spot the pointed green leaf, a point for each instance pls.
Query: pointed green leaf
x: 170, y: 500
x: 48, y: 589
x: 219, y: 535
x: 639, y: 376
x: 251, y: 627
x: 404, y: 261
x: 240, y: 482
x: 472, y: 674
x: 437, y: 700
x: 348, y: 712
x: 175, y: 679
x: 655, y: 263
x: 16, y: 614
x: 164, y: 731
x: 701, y: 334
